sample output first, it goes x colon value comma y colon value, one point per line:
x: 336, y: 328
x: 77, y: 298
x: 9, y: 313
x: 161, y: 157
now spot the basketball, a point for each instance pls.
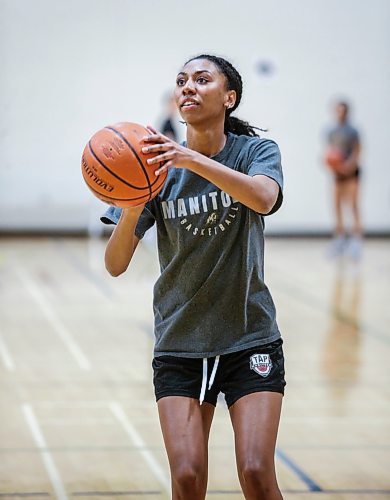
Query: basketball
x: 115, y: 169
x: 334, y: 159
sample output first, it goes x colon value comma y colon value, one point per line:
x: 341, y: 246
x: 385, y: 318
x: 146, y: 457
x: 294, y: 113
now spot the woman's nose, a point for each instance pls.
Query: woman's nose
x: 189, y: 87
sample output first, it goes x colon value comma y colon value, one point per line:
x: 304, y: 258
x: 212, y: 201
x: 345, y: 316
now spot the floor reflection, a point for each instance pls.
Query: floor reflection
x: 341, y: 355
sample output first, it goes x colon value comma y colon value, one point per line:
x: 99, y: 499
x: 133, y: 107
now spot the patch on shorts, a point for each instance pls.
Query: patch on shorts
x: 261, y: 364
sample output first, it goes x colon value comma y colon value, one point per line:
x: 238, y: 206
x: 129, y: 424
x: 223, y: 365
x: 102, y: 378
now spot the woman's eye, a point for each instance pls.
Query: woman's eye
x: 180, y: 82
x: 202, y: 79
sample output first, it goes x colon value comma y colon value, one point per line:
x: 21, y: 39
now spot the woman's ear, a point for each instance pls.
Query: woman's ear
x: 230, y: 99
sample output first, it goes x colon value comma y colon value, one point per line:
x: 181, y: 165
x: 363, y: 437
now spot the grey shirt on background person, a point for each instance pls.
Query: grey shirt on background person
x: 210, y: 298
x: 344, y: 137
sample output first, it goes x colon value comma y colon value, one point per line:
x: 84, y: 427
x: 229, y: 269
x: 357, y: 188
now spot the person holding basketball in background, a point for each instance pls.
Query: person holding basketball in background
x: 342, y: 157
x: 215, y: 320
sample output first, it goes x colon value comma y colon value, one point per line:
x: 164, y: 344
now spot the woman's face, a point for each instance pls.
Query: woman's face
x: 201, y: 94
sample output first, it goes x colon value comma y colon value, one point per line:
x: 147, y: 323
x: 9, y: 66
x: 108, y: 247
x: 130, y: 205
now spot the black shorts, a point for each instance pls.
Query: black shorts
x: 353, y: 175
x: 240, y: 373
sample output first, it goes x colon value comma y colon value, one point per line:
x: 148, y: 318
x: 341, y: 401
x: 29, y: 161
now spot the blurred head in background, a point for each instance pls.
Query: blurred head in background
x: 342, y: 111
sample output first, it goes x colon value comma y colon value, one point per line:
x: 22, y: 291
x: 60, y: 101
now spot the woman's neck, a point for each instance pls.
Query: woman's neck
x: 208, y: 142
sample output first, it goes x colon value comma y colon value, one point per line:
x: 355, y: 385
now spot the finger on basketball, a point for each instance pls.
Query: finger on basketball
x: 151, y: 129
x: 164, y: 168
x: 153, y: 138
x: 157, y: 159
x: 155, y: 148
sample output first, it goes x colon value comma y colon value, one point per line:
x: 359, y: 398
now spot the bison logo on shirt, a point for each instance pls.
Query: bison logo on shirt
x: 211, y: 219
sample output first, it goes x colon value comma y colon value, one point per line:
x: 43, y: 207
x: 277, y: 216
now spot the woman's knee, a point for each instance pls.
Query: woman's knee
x: 189, y: 476
x: 258, y: 471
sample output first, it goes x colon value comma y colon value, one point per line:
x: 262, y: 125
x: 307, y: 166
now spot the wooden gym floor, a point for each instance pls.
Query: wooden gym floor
x: 77, y: 414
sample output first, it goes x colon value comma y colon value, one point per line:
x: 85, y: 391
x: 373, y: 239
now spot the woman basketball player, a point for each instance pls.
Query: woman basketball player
x: 215, y: 323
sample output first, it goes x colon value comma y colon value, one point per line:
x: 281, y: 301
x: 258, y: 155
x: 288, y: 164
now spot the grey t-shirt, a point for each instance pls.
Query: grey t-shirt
x: 344, y: 137
x: 210, y: 298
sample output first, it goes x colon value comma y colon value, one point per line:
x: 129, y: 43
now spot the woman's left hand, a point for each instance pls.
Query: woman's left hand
x: 169, y: 153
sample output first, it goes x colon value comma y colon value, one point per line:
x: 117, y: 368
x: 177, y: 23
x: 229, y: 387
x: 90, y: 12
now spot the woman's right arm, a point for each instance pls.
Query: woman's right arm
x: 123, y: 241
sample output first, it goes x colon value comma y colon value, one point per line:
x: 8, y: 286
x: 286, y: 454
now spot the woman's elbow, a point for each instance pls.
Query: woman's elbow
x: 266, y: 193
x: 266, y: 203
x: 114, y: 272
x: 113, y: 269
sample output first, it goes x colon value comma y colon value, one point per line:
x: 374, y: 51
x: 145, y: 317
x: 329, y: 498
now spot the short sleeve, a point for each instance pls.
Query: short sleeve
x: 111, y: 215
x: 265, y: 159
x: 145, y: 221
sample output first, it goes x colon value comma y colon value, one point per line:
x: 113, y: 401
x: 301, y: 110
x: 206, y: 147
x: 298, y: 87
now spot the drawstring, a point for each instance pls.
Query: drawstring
x: 213, y: 372
x: 204, y: 378
x: 204, y: 381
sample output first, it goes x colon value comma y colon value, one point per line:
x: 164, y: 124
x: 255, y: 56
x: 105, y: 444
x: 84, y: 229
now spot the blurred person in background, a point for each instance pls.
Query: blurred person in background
x: 342, y: 157
x: 168, y: 122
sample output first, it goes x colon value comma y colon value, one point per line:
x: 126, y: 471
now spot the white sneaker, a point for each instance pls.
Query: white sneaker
x: 354, y: 247
x: 336, y: 246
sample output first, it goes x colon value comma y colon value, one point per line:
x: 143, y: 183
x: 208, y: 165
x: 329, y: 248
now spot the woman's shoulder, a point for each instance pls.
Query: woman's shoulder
x: 253, y: 141
x: 254, y: 146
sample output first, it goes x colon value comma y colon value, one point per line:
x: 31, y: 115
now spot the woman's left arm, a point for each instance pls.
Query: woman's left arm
x: 259, y: 192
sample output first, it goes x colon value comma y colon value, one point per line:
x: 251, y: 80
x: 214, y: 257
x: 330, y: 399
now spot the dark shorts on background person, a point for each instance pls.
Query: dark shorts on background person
x: 353, y: 175
x: 257, y: 369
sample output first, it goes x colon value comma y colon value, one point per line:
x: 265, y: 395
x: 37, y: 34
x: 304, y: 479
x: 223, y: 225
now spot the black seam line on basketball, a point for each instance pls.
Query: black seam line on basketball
x: 154, y: 192
x: 159, y: 186
x: 113, y: 173
x: 123, y: 199
x: 134, y: 153
x: 158, y: 177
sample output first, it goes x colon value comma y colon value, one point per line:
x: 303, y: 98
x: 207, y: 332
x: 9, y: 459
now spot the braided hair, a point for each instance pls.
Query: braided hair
x: 233, y: 82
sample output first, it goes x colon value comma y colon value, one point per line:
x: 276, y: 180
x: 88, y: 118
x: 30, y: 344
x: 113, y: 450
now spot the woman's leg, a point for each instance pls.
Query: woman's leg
x: 354, y: 202
x: 255, y: 420
x: 338, y: 199
x: 337, y: 244
x: 186, y: 426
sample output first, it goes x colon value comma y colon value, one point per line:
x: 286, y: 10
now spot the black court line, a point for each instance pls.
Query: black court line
x: 310, y: 483
x: 113, y: 493
x: 346, y: 491
x: 307, y: 492
x: 28, y: 494
x: 339, y: 491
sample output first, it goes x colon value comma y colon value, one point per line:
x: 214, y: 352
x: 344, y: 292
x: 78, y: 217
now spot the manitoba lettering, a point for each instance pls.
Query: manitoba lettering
x: 196, y: 204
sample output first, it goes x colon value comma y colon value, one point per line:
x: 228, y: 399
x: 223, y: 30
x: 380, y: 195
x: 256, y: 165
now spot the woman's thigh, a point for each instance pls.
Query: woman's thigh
x: 185, y: 426
x: 255, y: 419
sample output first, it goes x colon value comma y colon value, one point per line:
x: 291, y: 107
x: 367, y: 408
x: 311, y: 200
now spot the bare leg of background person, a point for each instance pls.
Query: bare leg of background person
x: 336, y: 246
x: 355, y: 244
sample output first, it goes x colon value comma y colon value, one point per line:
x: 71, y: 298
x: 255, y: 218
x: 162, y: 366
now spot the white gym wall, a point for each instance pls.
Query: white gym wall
x: 68, y: 68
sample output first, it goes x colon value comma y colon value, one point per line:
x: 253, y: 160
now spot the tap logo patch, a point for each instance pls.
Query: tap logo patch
x: 261, y: 364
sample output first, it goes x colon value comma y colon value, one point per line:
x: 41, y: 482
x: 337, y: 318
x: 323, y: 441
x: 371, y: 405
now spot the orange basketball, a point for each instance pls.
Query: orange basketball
x: 334, y: 159
x: 115, y: 169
